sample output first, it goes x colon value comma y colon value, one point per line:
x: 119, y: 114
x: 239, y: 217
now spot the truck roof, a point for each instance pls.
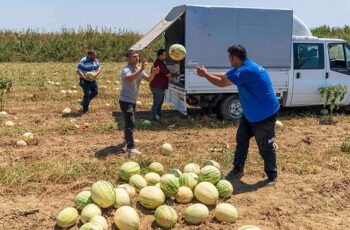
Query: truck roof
x: 238, y: 7
x: 313, y: 38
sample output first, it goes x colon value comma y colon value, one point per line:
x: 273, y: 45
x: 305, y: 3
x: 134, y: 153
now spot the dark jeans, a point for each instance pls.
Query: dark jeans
x: 128, y: 110
x: 264, y: 133
x: 90, y: 90
x: 158, y: 99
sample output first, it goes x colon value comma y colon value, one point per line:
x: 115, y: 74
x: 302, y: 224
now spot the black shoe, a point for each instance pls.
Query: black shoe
x: 271, y: 181
x: 234, y: 174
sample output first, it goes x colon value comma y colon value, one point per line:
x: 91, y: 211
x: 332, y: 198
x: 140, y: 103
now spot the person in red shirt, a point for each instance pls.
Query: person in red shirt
x: 159, y: 84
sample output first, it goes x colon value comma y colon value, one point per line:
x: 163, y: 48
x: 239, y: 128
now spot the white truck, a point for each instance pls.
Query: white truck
x: 298, y: 63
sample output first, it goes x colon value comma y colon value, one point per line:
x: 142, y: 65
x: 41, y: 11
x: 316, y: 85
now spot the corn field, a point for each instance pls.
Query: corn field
x: 69, y: 45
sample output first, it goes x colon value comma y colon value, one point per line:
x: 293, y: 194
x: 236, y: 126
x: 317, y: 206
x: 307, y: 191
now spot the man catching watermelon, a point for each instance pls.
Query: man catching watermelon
x: 131, y: 77
x: 260, y: 107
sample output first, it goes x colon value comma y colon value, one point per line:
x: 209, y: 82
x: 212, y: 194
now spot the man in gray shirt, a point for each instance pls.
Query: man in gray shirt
x: 131, y: 77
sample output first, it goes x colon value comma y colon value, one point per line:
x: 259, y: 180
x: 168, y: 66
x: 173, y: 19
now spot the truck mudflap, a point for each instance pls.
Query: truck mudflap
x: 176, y: 97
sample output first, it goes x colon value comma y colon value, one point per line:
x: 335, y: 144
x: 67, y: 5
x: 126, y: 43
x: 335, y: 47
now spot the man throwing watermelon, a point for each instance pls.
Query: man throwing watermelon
x: 260, y: 107
x: 88, y: 69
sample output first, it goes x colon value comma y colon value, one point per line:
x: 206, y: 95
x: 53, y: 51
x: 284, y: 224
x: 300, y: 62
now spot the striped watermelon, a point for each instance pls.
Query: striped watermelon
x: 130, y: 189
x: 100, y: 220
x: 166, y: 217
x: 82, y: 199
x: 206, y: 193
x: 151, y: 197
x: 103, y: 194
x: 126, y: 218
x: 224, y: 188
x: 137, y: 181
x: 67, y: 217
x: 175, y: 172
x: 210, y: 174
x: 213, y: 163
x: 169, y: 184
x: 192, y: 167
x: 189, y: 180
x: 152, y: 178
x: 156, y: 167
x: 90, y: 211
x: 225, y: 212
x: 91, y: 226
x: 121, y: 198
x: 128, y: 169
x: 184, y: 195
x: 196, y: 214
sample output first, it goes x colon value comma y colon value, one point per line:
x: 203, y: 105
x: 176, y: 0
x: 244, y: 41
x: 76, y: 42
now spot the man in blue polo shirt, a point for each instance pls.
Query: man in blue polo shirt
x: 90, y: 88
x: 260, y: 107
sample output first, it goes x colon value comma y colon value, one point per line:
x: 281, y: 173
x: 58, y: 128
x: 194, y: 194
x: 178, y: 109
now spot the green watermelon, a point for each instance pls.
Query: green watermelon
x: 210, y: 174
x: 189, y: 180
x: 224, y: 188
x: 103, y: 194
x: 67, y: 217
x: 156, y: 167
x: 166, y: 217
x: 213, y: 163
x: 169, y: 184
x: 138, y: 182
x: 151, y: 197
x: 83, y: 199
x: 175, y: 172
x: 128, y: 169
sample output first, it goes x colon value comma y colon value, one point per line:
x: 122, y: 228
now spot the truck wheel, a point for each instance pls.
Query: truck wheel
x: 231, y: 109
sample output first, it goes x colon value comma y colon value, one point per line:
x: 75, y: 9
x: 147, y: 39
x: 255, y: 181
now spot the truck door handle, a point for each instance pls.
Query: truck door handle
x: 327, y: 75
x: 298, y: 75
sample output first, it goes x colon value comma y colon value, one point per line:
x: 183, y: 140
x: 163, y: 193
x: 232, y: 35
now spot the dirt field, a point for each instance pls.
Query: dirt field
x: 39, y: 180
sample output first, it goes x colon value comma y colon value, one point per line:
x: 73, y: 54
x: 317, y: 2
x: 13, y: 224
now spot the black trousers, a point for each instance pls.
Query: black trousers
x: 128, y: 110
x: 264, y: 133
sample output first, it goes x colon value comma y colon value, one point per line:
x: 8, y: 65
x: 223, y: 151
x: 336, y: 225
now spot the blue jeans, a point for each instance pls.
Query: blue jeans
x: 264, y: 133
x: 90, y: 90
x: 158, y: 99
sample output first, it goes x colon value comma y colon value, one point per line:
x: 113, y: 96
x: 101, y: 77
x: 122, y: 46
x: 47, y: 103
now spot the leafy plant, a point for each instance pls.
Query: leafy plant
x: 334, y: 95
x: 5, y: 86
x: 345, y: 145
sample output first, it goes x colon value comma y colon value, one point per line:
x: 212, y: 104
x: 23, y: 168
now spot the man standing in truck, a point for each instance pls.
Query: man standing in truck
x: 260, y: 107
x: 159, y: 84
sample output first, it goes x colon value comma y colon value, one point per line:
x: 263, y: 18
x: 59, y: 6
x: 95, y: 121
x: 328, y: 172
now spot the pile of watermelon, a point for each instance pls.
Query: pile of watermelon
x: 198, y: 187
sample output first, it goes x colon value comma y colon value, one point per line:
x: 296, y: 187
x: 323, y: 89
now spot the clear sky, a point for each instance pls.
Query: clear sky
x: 140, y: 16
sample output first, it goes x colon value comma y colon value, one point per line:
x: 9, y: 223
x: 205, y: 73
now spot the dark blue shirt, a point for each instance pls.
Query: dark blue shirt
x: 256, y: 94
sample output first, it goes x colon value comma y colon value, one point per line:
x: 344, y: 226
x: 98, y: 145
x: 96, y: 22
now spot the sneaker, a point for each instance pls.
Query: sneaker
x: 133, y: 152
x: 234, y: 174
x: 271, y: 181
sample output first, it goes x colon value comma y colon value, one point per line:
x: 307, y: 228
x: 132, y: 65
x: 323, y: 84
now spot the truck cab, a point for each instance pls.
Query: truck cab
x: 299, y: 64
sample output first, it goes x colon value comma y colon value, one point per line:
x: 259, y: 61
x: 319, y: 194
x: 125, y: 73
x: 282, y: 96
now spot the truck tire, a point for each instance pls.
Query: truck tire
x: 230, y: 108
